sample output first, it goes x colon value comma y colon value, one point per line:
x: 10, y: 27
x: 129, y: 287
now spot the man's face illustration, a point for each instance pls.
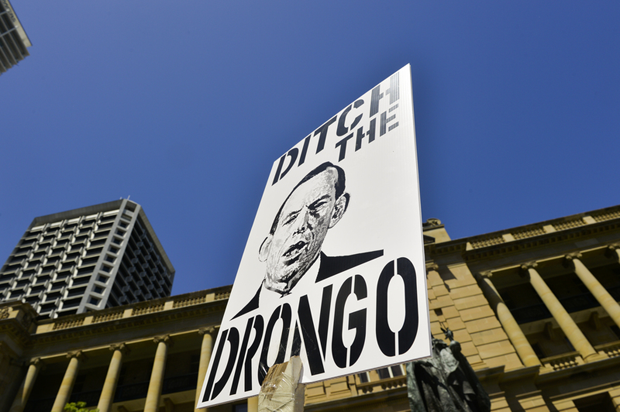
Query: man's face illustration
x: 301, y: 229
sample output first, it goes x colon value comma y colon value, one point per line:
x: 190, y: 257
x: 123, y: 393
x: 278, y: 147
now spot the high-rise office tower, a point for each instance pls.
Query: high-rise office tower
x: 13, y: 39
x: 87, y: 259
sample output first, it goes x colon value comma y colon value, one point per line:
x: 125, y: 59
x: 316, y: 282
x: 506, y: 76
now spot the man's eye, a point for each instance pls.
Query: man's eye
x: 289, y: 219
x: 317, y: 207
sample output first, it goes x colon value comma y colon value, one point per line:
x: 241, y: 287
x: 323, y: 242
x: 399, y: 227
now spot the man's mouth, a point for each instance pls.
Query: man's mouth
x: 293, y: 252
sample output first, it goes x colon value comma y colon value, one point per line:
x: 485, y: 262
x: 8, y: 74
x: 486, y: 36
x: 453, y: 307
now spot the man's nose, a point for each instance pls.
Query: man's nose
x: 302, y: 220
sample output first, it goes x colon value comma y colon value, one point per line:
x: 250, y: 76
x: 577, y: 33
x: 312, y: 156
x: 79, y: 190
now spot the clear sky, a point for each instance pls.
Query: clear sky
x: 185, y: 105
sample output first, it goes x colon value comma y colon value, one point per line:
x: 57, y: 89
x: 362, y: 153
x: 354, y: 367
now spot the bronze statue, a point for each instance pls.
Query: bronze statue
x: 445, y: 382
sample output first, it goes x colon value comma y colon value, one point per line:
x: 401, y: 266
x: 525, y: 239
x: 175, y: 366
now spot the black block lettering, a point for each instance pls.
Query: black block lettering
x: 386, y: 338
x: 282, y: 312
x: 308, y: 331
x: 375, y: 96
x: 393, y: 91
x: 372, y: 130
x: 232, y: 336
x: 357, y: 322
x: 246, y: 355
x: 322, y: 132
x: 304, y: 150
x: 384, y: 121
x: 342, y: 129
x: 293, y: 155
x: 408, y: 332
x: 343, y: 146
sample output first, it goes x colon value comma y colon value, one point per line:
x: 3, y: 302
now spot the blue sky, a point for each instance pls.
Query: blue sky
x: 185, y: 105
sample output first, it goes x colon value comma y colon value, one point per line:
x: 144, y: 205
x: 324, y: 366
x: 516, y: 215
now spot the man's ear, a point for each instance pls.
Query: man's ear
x: 263, y: 251
x: 339, y: 208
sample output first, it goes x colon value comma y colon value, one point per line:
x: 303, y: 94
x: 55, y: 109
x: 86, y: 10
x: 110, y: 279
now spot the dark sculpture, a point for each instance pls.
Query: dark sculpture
x: 445, y: 382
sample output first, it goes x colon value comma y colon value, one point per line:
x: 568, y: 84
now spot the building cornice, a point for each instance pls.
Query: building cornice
x: 37, y: 332
x: 521, y: 238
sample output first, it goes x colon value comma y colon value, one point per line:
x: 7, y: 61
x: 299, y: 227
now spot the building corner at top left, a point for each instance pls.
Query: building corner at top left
x: 14, y: 41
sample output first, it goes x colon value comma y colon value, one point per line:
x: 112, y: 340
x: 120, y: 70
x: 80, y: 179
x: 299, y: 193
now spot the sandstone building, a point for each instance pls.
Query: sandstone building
x: 87, y: 259
x: 534, y: 307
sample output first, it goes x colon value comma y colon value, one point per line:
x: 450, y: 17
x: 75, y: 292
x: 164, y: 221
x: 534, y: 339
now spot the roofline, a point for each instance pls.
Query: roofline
x: 593, y: 213
x: 70, y: 214
x: 104, y: 207
x: 530, y: 231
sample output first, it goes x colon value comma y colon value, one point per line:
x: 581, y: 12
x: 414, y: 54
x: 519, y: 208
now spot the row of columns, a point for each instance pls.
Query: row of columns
x: 559, y: 313
x: 111, y: 381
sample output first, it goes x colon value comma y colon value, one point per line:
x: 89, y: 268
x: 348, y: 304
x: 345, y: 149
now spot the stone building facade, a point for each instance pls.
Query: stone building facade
x: 535, y: 309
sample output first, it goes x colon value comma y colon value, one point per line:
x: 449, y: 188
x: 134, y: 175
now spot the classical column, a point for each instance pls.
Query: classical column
x: 157, y: 375
x: 26, y: 387
x: 68, y: 380
x: 510, y: 325
x: 598, y: 291
x: 567, y: 324
x: 111, y: 380
x: 205, y: 356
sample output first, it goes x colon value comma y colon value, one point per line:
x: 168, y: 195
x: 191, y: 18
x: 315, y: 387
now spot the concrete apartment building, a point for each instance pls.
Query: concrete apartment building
x: 87, y: 259
x: 14, y: 42
x: 535, y: 309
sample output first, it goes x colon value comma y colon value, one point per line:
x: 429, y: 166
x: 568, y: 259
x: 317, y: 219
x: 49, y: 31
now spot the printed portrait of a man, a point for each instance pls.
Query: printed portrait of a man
x: 292, y: 250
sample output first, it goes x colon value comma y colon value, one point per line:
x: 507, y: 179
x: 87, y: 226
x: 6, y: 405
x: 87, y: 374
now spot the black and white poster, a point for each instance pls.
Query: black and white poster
x: 333, y: 270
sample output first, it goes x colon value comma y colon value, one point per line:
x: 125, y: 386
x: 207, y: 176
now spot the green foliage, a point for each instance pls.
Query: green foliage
x: 78, y: 407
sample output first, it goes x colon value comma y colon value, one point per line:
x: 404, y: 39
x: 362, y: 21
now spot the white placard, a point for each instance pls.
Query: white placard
x: 334, y: 268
